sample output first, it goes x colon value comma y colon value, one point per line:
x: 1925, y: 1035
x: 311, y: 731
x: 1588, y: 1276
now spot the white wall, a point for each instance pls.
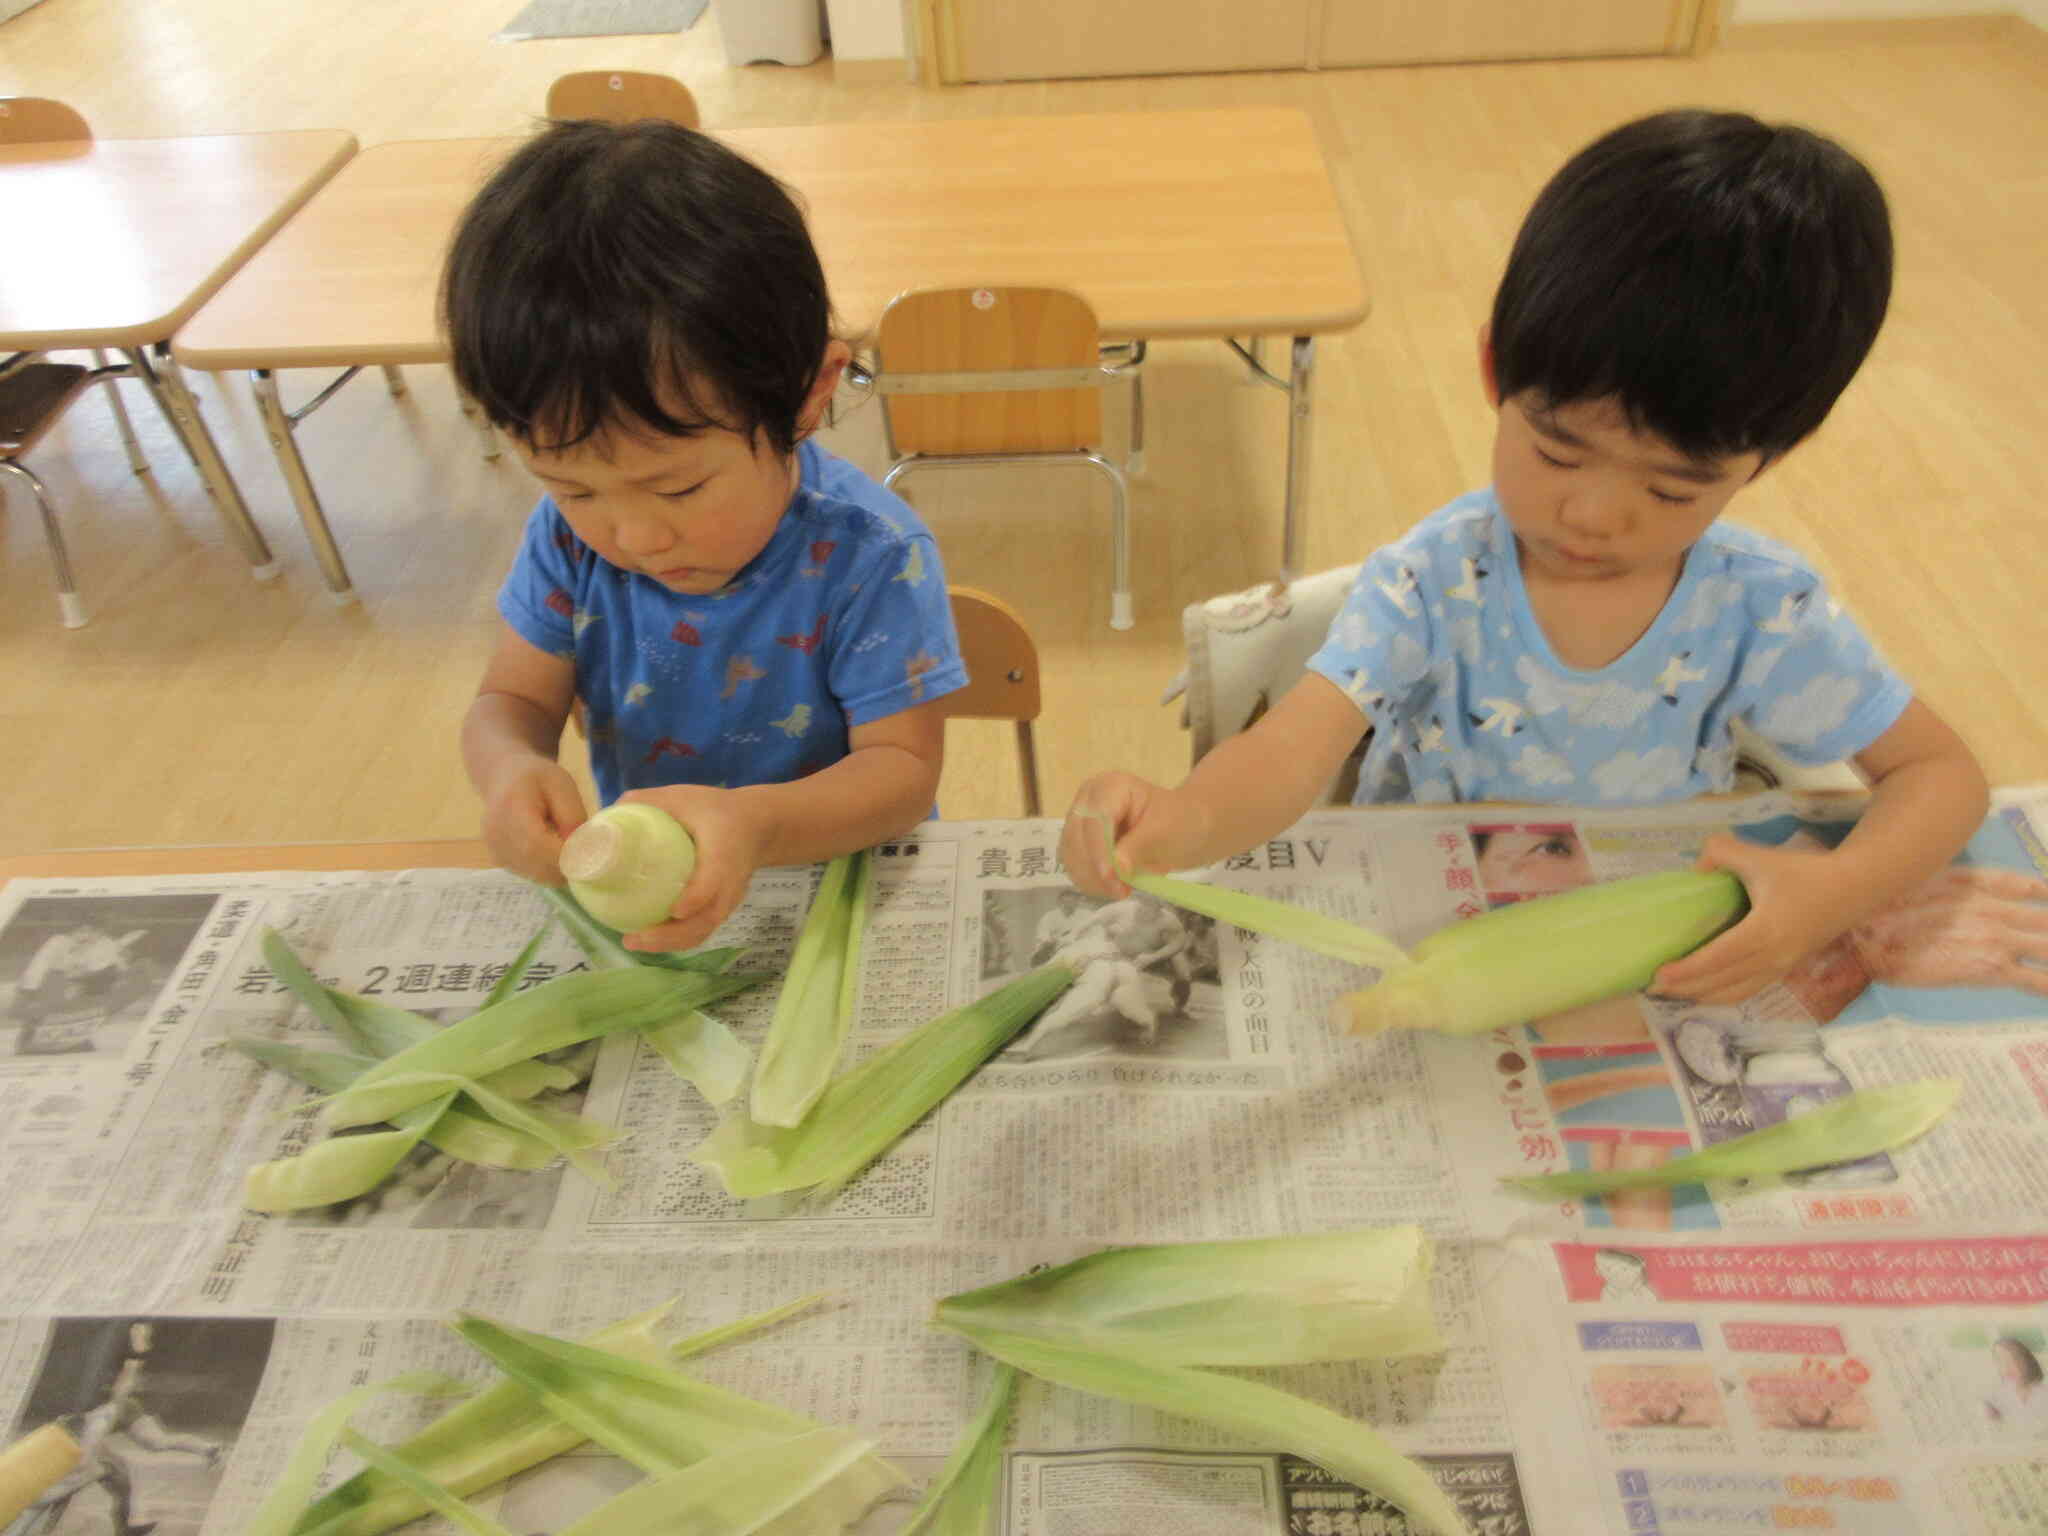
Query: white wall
x: 2035, y: 11
x: 874, y: 29
x: 868, y: 29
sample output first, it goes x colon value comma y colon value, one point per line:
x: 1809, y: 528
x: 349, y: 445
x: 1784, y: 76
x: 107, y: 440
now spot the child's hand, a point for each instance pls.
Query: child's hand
x: 1154, y: 828
x: 1796, y: 908
x: 729, y: 842
x: 529, y: 809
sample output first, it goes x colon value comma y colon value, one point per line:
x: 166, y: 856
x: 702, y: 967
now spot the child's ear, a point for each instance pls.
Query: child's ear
x: 837, y: 355
x: 1488, y: 379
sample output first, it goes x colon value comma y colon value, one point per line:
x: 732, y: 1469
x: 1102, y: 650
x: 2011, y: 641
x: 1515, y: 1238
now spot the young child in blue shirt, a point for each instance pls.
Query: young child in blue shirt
x: 1683, y: 304
x: 757, y: 631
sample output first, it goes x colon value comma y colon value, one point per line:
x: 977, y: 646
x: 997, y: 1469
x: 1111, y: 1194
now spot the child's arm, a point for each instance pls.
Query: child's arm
x: 882, y: 788
x: 1251, y: 786
x: 1927, y: 796
x: 510, y: 736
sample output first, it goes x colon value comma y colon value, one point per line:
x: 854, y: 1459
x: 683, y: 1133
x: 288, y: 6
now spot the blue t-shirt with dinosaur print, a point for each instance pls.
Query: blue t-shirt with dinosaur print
x: 841, y: 620
x: 1437, y: 646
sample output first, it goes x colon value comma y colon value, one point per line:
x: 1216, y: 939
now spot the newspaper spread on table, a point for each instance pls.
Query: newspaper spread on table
x: 1858, y: 1350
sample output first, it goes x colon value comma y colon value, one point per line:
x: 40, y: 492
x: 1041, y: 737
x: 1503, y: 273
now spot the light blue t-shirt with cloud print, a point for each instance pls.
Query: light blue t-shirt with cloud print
x: 841, y: 620
x: 1439, y: 648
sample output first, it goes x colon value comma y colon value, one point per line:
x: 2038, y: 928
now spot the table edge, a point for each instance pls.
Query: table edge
x: 246, y: 858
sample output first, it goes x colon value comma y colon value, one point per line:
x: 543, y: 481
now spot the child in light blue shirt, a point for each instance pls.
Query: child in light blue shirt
x: 1440, y: 650
x: 757, y: 632
x: 1684, y: 302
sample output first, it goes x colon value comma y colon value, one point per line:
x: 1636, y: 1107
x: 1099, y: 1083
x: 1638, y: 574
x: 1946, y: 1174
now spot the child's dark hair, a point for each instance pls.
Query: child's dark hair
x: 606, y: 265
x: 1722, y: 279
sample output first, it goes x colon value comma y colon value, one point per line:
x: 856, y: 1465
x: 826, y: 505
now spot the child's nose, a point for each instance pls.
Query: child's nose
x: 643, y: 535
x: 1594, y: 508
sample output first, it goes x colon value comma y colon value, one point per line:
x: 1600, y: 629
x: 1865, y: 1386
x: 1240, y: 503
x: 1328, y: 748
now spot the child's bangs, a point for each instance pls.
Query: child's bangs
x: 629, y: 386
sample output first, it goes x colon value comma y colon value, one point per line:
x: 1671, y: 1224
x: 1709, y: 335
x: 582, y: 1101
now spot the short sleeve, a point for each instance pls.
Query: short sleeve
x: 1813, y: 685
x: 537, y: 597
x: 1378, y: 647
x: 895, y: 646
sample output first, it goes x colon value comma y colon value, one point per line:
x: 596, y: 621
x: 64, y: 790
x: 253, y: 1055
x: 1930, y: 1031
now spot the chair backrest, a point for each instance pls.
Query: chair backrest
x: 989, y: 331
x: 39, y: 120
x: 623, y: 96
x: 1002, y: 671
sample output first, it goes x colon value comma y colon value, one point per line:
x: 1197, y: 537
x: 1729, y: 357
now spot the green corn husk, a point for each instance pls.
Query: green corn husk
x: 786, y: 1486
x: 439, y: 1500
x: 814, y: 1012
x: 862, y: 1112
x: 460, y: 1130
x: 1314, y: 931
x: 604, y: 946
x: 1262, y: 1415
x: 661, y: 1420
x: 339, y: 1168
x: 562, y: 1012
x: 703, y: 1052
x: 574, y: 1146
x: 1538, y: 957
x: 1859, y: 1125
x: 1255, y: 1301
x: 700, y: 1049
x: 962, y: 1498
x: 274, y: 1516
x: 508, y: 983
x: 501, y: 1431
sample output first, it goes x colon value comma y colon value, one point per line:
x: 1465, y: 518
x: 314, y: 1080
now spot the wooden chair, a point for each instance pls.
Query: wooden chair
x: 1002, y: 672
x: 32, y: 396
x: 33, y: 392
x: 622, y: 96
x: 984, y: 376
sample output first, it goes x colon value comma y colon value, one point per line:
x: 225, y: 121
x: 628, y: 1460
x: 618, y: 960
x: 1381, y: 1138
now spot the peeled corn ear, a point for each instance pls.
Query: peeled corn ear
x: 1535, y: 958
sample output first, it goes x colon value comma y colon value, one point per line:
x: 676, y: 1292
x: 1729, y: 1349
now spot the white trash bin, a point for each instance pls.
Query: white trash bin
x: 770, y: 31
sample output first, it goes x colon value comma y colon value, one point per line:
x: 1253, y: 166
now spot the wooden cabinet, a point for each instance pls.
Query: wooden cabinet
x: 976, y: 40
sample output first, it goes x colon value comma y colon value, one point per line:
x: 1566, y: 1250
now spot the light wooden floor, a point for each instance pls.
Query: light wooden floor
x: 201, y: 707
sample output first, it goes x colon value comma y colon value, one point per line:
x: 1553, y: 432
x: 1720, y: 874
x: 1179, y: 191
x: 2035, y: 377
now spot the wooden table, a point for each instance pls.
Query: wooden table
x: 247, y: 858
x: 115, y: 243
x: 1215, y: 224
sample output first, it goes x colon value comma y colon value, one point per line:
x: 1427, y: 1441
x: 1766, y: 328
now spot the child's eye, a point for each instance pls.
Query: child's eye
x: 1553, y: 461
x: 680, y: 495
x: 1670, y: 499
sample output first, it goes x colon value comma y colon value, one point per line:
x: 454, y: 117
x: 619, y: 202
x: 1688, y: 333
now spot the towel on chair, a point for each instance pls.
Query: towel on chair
x: 1245, y: 649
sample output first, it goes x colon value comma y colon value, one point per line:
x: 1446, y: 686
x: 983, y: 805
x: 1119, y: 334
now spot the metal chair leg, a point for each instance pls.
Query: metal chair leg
x: 1120, y: 614
x: 68, y: 603
x: 1300, y: 419
x: 127, y: 430
x: 1134, y: 461
x: 1027, y: 767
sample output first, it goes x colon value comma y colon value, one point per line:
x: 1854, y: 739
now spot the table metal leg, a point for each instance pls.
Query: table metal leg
x: 394, y: 380
x: 1294, y: 510
x: 277, y: 422
x: 166, y: 385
